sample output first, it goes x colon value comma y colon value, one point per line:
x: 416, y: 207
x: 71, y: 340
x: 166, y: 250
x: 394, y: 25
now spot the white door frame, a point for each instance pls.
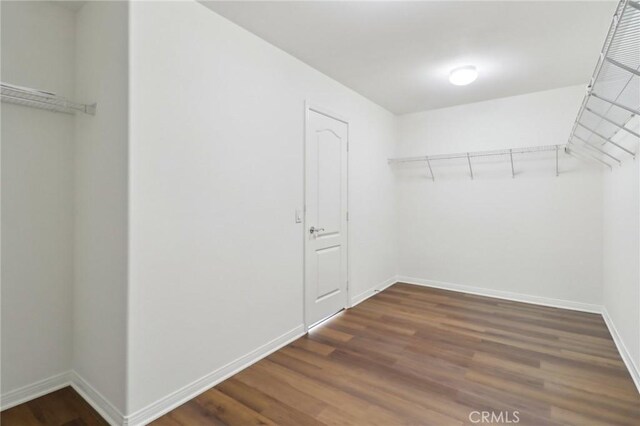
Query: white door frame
x: 309, y: 106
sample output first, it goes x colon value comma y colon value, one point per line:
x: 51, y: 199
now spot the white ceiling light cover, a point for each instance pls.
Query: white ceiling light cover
x: 462, y: 76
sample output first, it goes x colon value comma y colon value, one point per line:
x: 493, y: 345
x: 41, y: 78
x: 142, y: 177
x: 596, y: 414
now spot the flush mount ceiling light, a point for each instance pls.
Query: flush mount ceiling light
x: 462, y: 76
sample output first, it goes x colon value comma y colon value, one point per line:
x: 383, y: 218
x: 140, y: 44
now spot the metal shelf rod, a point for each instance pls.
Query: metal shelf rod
x: 590, y: 145
x: 607, y: 139
x: 34, y: 98
x: 572, y: 151
x: 618, y: 104
x: 622, y: 66
x: 608, y: 120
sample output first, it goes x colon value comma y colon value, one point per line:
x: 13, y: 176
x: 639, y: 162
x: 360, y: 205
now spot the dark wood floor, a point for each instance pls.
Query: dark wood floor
x: 62, y: 407
x: 418, y: 356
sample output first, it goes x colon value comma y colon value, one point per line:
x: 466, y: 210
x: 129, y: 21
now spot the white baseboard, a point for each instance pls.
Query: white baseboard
x: 634, y: 371
x: 34, y: 390
x: 94, y: 398
x: 113, y: 416
x: 373, y: 290
x: 506, y: 295
x: 179, y: 397
x: 173, y: 400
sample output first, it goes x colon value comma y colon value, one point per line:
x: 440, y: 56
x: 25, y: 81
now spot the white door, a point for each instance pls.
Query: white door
x: 326, y: 216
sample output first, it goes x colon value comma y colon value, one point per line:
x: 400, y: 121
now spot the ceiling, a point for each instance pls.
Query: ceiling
x: 399, y: 54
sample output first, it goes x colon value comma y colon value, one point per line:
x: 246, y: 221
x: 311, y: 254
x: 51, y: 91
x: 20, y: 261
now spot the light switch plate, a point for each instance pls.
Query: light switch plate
x: 298, y: 216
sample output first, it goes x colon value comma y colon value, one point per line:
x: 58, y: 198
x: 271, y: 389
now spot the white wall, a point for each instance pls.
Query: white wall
x: 536, y: 235
x: 621, y: 222
x: 100, y: 296
x: 212, y: 166
x: 37, y: 197
x: 216, y: 176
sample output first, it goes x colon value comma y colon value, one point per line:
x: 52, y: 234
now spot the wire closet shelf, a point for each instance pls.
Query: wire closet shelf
x: 509, y: 153
x: 613, y: 94
x: 43, y: 100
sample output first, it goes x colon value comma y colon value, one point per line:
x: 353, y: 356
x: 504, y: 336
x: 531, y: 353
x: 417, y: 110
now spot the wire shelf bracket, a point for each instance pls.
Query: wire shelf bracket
x: 35, y: 98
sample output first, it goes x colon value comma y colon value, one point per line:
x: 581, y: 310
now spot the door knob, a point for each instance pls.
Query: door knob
x: 314, y: 230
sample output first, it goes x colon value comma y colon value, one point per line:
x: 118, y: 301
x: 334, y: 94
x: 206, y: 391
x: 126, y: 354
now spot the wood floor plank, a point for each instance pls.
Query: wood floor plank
x: 62, y: 407
x: 412, y: 355
x: 20, y: 415
x: 266, y: 405
x: 189, y: 413
x: 229, y: 410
